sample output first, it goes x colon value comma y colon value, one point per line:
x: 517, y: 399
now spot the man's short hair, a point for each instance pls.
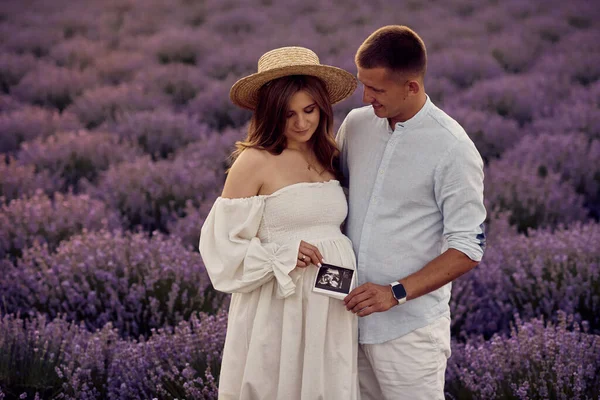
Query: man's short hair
x: 395, y: 47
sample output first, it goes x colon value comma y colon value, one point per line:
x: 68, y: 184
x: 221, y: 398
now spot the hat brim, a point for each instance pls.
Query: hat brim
x: 339, y: 83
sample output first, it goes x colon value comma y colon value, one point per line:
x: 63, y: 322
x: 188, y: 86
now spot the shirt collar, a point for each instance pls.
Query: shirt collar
x: 416, y: 119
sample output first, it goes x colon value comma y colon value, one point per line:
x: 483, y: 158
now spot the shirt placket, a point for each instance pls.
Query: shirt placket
x: 374, y: 201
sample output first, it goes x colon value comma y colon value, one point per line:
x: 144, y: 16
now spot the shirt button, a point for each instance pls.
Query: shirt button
x: 381, y: 171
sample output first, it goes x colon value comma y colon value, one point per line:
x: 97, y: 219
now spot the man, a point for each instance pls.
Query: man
x: 416, y: 214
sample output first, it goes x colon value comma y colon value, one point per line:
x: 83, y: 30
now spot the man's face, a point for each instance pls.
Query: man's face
x: 385, y: 91
x: 332, y: 277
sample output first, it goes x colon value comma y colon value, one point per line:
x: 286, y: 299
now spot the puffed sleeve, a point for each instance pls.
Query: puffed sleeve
x: 235, y: 258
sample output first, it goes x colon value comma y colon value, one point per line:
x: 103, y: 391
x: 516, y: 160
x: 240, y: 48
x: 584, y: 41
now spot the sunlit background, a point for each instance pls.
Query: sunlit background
x: 115, y: 126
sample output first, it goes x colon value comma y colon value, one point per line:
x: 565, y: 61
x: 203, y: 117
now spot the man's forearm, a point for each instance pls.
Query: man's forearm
x: 443, y: 269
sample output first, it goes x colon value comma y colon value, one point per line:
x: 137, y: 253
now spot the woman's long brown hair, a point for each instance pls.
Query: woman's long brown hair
x: 268, y: 120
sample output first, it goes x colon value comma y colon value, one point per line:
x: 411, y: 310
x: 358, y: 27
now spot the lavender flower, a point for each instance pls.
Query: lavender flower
x: 172, y: 364
x: 35, y: 40
x: 239, y: 21
x: 77, y: 53
x: 53, y: 86
x: 535, y: 362
x: 180, y: 82
x: 161, y: 132
x: 573, y: 156
x: 520, y: 97
x: 535, y: 275
x: 151, y: 194
x: 28, y: 123
x: 17, y: 180
x: 119, y: 67
x: 13, y: 67
x: 491, y: 133
x: 40, y: 358
x: 187, y: 228
x: 30, y: 351
x: 135, y: 282
x: 44, y: 220
x: 462, y: 67
x: 106, y: 104
x: 73, y: 156
x: 572, y: 115
x: 178, y: 45
x: 516, y: 49
x: 534, y: 198
x: 215, y: 108
x: 8, y: 103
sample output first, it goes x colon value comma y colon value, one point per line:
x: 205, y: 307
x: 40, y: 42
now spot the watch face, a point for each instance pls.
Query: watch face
x: 399, y: 291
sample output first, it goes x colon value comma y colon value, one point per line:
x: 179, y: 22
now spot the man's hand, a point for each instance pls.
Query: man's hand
x: 369, y: 298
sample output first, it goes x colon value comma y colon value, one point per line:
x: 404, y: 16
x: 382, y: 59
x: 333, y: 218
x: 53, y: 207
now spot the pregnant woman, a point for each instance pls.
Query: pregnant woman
x: 277, y: 220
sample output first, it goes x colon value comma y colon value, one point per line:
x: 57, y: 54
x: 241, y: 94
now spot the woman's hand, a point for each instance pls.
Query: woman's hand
x: 308, y: 254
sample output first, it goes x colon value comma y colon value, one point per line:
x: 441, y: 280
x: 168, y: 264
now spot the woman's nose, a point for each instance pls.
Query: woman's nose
x: 301, y: 123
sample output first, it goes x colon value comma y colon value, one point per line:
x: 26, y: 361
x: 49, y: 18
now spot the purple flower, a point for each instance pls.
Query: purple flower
x: 160, y: 132
x: 106, y: 104
x: 13, y: 67
x: 463, y: 67
x: 153, y: 194
x: 132, y: 281
x: 180, y: 82
x: 52, y: 86
x: 573, y: 156
x: 178, y: 45
x: 34, y: 39
x: 119, y: 67
x: 533, y: 198
x: 537, y: 361
x: 215, y: 108
x: 28, y: 123
x: 531, y: 276
x: 17, y: 180
x: 8, y: 103
x: 520, y: 97
x: 72, y: 156
x: 572, y: 115
x: 77, y: 53
x: 491, y: 133
x: 44, y: 220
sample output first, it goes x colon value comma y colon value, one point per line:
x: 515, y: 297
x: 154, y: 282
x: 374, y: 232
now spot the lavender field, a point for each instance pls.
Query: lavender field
x: 115, y: 127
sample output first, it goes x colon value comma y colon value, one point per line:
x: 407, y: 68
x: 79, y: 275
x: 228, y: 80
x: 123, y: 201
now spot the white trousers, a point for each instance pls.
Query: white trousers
x: 410, y: 367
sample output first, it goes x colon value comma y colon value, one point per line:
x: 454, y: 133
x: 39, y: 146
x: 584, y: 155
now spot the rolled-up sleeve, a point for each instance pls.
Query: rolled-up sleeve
x: 458, y: 191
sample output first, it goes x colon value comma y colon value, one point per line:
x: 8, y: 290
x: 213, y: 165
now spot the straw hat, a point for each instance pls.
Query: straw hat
x: 287, y: 61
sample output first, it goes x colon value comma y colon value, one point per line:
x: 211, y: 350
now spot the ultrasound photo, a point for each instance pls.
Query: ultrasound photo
x: 334, y: 281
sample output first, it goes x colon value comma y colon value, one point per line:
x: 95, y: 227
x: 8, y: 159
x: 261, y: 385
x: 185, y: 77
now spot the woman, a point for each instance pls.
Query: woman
x: 276, y: 221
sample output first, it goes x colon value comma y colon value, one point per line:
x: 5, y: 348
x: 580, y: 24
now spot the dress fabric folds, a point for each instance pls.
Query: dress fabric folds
x: 284, y: 341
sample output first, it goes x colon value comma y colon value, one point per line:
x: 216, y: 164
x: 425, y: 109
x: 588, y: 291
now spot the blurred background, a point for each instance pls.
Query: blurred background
x: 115, y: 128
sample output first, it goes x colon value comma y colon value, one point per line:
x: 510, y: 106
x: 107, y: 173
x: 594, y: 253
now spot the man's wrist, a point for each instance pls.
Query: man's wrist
x: 399, y: 292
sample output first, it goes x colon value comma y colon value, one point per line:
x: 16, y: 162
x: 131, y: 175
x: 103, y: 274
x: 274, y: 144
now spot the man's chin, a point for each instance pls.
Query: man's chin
x: 379, y: 111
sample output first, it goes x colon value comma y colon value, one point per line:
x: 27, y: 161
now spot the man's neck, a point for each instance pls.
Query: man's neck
x: 411, y: 112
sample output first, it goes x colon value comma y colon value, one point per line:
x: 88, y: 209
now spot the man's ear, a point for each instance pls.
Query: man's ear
x: 414, y: 87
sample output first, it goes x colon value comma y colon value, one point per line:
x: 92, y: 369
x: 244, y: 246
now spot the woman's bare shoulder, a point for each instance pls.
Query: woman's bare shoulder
x: 246, y: 176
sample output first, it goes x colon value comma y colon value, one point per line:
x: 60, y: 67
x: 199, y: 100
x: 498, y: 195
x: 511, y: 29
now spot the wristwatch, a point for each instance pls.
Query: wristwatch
x: 399, y: 292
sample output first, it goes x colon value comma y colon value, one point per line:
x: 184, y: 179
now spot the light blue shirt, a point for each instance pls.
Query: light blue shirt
x: 413, y: 192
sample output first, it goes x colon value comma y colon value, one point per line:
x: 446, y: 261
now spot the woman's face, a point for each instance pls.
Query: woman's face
x: 302, y: 118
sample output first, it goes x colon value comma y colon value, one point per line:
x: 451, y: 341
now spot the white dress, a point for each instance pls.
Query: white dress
x: 284, y: 341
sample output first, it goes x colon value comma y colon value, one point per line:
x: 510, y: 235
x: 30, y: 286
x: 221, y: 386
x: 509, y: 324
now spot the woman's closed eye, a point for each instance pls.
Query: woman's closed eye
x: 306, y: 111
